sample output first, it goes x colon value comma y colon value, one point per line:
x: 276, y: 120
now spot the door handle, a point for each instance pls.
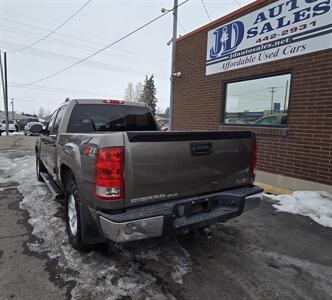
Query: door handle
x: 200, y: 149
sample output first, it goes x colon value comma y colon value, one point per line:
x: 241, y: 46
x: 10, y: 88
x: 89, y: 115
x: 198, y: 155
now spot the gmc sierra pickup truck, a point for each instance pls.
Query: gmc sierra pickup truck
x: 123, y: 179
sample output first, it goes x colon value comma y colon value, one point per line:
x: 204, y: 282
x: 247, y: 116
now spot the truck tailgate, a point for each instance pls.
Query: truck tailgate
x: 167, y: 165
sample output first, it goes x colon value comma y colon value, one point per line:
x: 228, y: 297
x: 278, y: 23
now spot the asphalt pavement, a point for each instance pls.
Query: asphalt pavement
x: 263, y: 254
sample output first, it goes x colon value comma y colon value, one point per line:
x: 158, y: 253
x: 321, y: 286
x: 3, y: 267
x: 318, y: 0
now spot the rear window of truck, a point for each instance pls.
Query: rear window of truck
x: 87, y: 118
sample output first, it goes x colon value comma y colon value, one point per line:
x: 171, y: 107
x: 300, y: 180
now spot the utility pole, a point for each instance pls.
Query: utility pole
x: 12, y: 103
x: 272, y: 97
x: 175, y: 24
x: 286, y: 96
x: 4, y: 87
x: 2, y: 81
x: 6, y: 98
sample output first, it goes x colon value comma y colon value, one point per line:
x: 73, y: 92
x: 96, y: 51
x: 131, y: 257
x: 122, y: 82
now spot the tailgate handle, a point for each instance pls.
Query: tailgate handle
x: 200, y: 149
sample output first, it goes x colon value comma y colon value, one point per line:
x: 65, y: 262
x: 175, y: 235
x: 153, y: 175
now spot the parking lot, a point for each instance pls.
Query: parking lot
x: 264, y: 254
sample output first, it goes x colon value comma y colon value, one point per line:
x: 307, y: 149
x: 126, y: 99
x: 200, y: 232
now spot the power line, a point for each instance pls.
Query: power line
x: 39, y: 102
x: 91, y: 64
x: 182, y: 27
x: 64, y: 90
x: 238, y: 3
x: 90, y: 34
x: 54, y: 30
x: 207, y: 13
x: 71, y: 44
x: 104, y: 48
x: 256, y: 91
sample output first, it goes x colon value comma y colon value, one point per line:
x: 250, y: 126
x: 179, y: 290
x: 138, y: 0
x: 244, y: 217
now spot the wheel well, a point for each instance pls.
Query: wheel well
x: 65, y: 174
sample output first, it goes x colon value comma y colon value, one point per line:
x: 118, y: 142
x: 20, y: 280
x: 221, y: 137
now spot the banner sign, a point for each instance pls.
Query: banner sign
x: 283, y: 29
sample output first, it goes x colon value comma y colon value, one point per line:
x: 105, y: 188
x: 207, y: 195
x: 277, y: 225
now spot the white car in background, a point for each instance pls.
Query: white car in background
x: 11, y: 126
x: 30, y: 128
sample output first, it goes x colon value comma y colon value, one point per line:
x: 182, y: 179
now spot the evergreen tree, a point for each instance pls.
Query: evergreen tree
x: 148, y: 95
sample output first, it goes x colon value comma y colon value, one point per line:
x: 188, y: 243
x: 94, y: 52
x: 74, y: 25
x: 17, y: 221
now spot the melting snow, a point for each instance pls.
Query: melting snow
x: 316, y: 205
x: 107, y: 274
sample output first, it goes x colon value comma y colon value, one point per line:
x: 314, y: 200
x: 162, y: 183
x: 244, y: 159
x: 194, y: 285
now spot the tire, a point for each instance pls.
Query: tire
x: 73, y: 217
x: 39, y: 169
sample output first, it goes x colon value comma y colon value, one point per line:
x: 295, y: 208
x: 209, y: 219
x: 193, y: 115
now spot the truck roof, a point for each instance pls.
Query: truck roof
x: 101, y: 101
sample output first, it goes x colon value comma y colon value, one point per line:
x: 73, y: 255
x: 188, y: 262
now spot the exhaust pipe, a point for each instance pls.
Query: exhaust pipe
x: 207, y: 232
x: 204, y: 231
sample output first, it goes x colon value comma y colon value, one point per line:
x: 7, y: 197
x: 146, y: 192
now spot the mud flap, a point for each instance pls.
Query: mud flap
x: 90, y: 229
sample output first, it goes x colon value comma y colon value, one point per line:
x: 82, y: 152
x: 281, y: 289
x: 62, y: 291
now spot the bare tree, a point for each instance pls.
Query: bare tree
x: 133, y: 93
x: 47, y: 112
x: 129, y: 92
x: 138, y: 90
x: 41, y: 112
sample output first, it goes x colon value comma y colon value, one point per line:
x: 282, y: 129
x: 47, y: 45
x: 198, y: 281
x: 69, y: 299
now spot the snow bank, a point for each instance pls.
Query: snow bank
x: 102, y: 274
x: 316, y: 205
x: 16, y: 133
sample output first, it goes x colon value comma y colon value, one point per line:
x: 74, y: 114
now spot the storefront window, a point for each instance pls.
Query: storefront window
x: 258, y: 102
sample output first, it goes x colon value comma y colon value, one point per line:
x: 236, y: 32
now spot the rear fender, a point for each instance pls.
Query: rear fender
x: 69, y: 157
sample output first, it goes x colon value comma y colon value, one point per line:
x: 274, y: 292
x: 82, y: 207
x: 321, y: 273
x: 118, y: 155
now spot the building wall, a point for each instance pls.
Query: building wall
x: 304, y: 149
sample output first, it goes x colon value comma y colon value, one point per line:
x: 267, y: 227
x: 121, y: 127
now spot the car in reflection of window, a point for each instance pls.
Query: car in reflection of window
x: 234, y: 121
x: 272, y: 120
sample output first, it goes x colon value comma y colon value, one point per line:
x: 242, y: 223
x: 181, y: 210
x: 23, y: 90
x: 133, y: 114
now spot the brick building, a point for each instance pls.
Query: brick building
x: 266, y: 67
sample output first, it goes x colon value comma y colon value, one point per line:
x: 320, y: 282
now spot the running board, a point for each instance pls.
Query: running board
x: 54, y: 189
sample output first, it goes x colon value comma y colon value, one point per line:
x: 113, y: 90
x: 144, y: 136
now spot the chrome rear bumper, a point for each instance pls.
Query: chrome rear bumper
x: 132, y: 230
x: 149, y: 221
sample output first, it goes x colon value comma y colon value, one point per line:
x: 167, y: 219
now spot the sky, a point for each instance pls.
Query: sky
x: 256, y: 94
x: 96, y: 25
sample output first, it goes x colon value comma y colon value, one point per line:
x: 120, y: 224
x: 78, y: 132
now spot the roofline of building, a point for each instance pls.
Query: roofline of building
x: 223, y: 19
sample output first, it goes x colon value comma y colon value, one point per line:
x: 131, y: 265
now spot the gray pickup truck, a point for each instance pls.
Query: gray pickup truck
x: 123, y: 179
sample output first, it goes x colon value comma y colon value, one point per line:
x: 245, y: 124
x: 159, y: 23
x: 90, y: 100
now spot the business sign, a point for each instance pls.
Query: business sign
x: 283, y: 29
x: 276, y: 107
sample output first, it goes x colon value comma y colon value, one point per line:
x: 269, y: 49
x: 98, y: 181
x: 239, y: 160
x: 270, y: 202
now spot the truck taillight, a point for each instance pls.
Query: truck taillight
x: 113, y: 101
x: 253, y: 158
x: 109, y: 173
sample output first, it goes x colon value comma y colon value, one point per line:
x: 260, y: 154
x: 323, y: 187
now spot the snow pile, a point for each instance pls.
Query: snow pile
x: 316, y: 205
x: 110, y: 273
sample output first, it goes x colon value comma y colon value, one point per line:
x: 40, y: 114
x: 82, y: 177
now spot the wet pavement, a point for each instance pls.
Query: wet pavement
x: 263, y: 254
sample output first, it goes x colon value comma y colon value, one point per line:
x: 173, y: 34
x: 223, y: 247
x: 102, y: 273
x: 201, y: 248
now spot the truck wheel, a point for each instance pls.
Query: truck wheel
x: 73, y: 217
x: 39, y: 169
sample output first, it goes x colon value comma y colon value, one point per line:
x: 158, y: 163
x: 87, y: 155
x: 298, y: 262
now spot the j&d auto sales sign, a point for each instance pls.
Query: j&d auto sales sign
x: 283, y: 29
